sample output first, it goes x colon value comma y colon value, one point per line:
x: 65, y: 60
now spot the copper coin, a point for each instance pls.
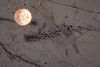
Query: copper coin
x: 23, y: 16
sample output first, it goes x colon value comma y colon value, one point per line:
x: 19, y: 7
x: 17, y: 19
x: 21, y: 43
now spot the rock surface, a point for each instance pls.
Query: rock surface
x: 77, y: 45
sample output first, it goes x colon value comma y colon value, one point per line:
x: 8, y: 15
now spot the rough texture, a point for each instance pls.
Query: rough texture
x: 63, y: 33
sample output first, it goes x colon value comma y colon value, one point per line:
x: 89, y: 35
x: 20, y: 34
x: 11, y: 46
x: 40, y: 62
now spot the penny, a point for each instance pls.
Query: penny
x: 23, y: 16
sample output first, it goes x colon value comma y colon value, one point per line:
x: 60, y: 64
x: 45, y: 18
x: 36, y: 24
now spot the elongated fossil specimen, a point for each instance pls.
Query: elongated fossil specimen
x: 55, y: 32
x: 51, y: 33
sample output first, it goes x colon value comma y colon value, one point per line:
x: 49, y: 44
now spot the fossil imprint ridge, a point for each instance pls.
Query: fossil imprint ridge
x: 51, y: 33
x: 61, y: 30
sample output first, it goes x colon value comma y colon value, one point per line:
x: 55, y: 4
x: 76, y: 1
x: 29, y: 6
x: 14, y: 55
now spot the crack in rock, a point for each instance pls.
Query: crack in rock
x: 6, y: 19
x: 75, y: 7
x: 10, y: 20
x: 19, y: 57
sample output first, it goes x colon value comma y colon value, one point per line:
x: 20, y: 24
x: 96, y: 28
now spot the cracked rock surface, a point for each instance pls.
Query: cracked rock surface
x: 63, y: 33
